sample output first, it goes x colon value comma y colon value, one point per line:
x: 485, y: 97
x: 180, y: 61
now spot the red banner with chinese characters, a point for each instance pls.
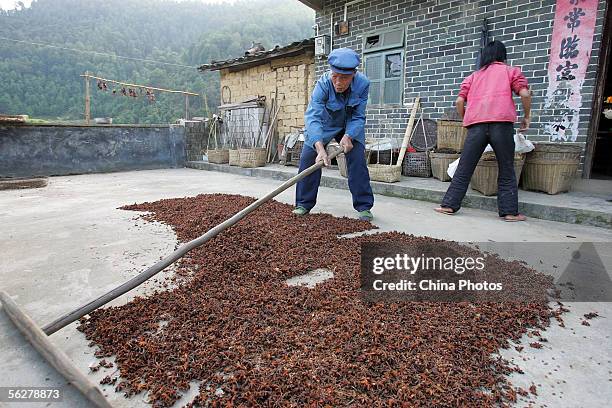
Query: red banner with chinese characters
x: 570, y: 51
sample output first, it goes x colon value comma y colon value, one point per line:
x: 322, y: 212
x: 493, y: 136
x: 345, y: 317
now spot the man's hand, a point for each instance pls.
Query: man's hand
x: 525, y: 124
x: 321, y: 154
x: 346, y: 143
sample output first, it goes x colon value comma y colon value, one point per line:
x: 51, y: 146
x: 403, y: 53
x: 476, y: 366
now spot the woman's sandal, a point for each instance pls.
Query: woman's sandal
x: 445, y: 211
x: 514, y: 218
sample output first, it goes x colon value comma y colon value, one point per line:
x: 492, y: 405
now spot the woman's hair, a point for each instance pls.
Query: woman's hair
x: 495, y: 51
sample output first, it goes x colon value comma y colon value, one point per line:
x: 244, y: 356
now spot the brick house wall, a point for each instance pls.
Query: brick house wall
x: 292, y: 77
x: 441, y: 46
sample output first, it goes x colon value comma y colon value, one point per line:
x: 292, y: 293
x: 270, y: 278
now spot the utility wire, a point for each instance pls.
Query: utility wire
x: 97, y: 53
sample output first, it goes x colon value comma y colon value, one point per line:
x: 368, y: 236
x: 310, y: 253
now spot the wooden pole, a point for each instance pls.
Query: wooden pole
x: 178, y: 254
x: 54, y: 356
x: 87, y: 99
x: 270, y: 133
x: 186, y: 107
x: 206, y: 106
x: 408, y: 133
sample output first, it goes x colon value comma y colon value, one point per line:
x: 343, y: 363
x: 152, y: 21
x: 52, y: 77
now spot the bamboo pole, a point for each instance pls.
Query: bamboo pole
x: 54, y: 356
x: 179, y: 253
x: 87, y: 99
x: 408, y: 133
x: 270, y: 133
x: 272, y: 110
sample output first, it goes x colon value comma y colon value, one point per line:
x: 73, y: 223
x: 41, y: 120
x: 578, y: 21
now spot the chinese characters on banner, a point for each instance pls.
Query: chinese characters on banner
x: 570, y: 51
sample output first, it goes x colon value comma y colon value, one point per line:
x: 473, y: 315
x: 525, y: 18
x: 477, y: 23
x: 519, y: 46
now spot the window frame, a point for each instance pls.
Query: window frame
x: 383, y: 52
x: 382, y: 33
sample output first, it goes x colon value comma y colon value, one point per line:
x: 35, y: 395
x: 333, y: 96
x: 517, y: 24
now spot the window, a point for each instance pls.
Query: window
x: 384, y: 66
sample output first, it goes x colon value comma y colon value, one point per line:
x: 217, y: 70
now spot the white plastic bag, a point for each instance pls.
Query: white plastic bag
x: 452, y: 167
x: 522, y: 145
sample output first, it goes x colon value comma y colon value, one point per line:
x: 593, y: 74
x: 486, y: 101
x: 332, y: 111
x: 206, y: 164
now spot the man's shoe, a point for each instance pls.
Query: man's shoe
x: 300, y: 211
x: 365, y: 215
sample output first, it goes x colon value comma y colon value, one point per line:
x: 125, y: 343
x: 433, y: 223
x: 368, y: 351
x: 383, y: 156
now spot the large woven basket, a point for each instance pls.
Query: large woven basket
x: 385, y: 173
x: 255, y: 157
x: 417, y: 164
x: 439, y: 164
x: 233, y: 157
x: 219, y: 156
x: 451, y: 135
x: 551, y: 167
x: 485, y: 175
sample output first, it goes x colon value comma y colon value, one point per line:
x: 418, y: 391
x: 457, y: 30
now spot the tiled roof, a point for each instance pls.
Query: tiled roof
x: 247, y: 61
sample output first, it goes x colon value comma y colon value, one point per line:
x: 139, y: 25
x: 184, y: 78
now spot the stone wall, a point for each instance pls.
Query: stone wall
x: 291, y: 78
x: 61, y: 150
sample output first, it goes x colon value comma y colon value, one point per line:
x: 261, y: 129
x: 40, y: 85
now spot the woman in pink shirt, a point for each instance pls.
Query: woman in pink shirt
x: 489, y: 117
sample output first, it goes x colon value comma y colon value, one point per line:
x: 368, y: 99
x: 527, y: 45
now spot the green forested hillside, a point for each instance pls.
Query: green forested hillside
x: 44, y: 82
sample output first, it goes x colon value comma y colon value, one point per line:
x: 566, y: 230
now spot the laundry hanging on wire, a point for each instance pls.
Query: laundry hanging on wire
x: 123, y: 88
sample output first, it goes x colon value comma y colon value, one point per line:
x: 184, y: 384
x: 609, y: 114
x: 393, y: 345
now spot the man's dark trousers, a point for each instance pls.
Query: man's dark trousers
x: 358, y: 179
x: 500, y: 135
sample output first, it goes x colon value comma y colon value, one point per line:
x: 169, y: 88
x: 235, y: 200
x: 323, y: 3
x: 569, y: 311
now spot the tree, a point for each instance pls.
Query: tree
x: 45, y: 82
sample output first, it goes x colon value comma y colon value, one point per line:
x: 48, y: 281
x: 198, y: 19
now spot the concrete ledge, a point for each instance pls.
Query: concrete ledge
x: 22, y: 183
x: 574, y: 208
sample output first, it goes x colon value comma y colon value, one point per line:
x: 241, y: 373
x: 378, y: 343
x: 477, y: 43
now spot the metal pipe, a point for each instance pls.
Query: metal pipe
x: 331, y: 31
x: 346, y: 5
x: 176, y: 255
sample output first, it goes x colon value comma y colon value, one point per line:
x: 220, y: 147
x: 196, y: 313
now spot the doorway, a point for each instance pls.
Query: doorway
x: 598, y: 155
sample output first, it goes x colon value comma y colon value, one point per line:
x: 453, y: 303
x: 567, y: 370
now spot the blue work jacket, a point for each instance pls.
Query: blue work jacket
x: 330, y: 113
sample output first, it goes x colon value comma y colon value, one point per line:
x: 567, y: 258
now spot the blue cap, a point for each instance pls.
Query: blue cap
x: 343, y: 60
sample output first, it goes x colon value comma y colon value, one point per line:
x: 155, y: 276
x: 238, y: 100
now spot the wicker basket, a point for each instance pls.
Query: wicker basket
x: 439, y: 164
x: 218, y: 156
x: 425, y: 141
x: 417, y: 164
x: 233, y: 157
x: 551, y: 167
x: 294, y: 153
x: 385, y: 173
x: 451, y: 135
x: 484, y: 178
x: 255, y: 157
x: 384, y: 156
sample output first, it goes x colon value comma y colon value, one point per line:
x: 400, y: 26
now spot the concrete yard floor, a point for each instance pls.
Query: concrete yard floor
x: 66, y: 244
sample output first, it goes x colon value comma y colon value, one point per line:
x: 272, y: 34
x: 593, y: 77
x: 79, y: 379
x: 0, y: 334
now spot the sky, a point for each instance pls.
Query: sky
x: 10, y: 4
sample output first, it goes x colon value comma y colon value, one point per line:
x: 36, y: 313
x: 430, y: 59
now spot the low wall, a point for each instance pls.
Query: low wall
x: 60, y: 150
